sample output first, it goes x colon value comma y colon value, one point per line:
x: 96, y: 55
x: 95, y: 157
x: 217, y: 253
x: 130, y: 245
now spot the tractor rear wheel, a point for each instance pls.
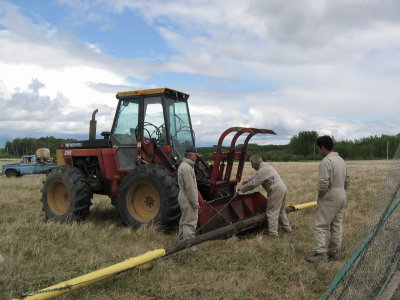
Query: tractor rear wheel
x: 149, y: 195
x: 66, y: 195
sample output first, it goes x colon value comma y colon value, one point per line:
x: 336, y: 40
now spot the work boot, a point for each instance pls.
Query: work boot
x: 333, y: 255
x: 317, y: 257
x: 271, y: 235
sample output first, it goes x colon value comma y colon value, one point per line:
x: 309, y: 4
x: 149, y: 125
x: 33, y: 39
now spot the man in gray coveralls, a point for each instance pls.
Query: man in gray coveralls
x: 277, y: 191
x: 188, y: 195
x: 333, y: 180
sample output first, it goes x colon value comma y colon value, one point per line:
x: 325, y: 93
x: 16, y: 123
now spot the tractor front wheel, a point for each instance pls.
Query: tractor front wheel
x: 66, y: 195
x: 149, y: 195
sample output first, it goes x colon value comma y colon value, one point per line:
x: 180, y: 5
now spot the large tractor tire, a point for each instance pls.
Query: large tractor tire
x: 149, y: 195
x: 66, y: 195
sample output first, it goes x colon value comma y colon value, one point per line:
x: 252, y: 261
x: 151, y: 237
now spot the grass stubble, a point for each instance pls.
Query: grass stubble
x: 39, y: 254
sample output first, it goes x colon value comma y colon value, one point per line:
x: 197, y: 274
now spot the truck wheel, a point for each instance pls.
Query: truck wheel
x: 11, y: 173
x: 149, y: 195
x: 66, y: 195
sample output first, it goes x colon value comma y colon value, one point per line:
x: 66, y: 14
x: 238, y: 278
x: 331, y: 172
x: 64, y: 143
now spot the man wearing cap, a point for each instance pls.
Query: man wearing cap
x: 188, y: 195
x: 277, y: 191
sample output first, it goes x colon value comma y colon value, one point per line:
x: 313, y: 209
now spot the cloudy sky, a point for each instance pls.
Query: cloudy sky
x: 328, y: 66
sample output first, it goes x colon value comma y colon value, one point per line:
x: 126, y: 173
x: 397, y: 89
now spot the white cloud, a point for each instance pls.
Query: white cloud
x: 330, y: 66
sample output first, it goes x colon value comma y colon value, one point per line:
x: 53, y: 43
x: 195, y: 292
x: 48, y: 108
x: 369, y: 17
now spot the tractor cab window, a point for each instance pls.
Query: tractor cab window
x: 126, y: 122
x: 153, y: 126
x: 179, y: 126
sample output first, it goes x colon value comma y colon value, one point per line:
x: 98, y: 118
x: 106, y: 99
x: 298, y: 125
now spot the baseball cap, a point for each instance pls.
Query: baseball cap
x: 192, y: 149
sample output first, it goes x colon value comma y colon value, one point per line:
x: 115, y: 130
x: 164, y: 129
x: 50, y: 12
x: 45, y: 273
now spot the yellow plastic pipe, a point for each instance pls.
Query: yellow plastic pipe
x: 84, y: 280
x: 290, y: 207
x: 305, y: 205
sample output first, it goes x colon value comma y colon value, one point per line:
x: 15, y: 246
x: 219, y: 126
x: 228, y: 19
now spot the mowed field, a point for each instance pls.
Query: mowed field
x: 39, y: 254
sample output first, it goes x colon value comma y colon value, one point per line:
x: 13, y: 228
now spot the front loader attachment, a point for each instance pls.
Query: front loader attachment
x: 219, y: 173
x: 220, y: 205
x: 230, y: 210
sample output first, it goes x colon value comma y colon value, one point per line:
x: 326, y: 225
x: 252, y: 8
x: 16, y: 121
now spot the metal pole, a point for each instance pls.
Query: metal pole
x: 387, y: 150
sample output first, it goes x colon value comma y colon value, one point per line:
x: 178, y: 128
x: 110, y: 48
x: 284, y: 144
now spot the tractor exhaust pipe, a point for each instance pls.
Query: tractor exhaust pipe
x: 92, y: 126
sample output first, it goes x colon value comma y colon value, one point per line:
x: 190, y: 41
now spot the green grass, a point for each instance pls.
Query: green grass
x: 39, y: 254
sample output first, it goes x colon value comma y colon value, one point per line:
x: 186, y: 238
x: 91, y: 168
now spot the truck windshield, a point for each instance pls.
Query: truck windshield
x: 179, y: 126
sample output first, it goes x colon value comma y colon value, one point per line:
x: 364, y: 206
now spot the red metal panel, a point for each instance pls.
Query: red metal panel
x: 109, y: 164
x: 106, y: 158
x: 238, y: 209
x: 220, y: 212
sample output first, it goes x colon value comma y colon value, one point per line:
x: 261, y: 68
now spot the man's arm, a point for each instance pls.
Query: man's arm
x: 324, y: 177
x: 255, y: 181
x: 245, y: 181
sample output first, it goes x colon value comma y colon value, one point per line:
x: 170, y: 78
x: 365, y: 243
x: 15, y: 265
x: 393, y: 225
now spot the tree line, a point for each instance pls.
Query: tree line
x: 26, y: 146
x: 301, y: 147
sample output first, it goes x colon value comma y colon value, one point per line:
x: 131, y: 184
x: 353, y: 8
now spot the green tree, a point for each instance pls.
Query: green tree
x: 303, y: 143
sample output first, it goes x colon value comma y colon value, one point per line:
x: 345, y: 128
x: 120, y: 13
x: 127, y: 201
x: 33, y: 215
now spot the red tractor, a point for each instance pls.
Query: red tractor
x: 136, y: 164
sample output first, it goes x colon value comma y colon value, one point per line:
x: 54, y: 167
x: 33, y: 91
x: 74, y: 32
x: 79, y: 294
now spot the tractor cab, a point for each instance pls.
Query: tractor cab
x: 155, y: 115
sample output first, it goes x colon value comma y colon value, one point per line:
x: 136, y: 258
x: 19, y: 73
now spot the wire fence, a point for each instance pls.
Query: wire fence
x: 373, y: 263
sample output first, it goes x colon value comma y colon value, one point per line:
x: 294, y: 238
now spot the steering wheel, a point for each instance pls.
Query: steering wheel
x: 185, y: 128
x: 156, y: 131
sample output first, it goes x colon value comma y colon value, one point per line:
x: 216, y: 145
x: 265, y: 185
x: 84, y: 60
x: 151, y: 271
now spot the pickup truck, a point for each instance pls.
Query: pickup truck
x: 29, y: 164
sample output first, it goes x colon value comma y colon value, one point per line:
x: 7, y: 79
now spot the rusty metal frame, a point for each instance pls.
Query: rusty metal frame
x: 217, y: 174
